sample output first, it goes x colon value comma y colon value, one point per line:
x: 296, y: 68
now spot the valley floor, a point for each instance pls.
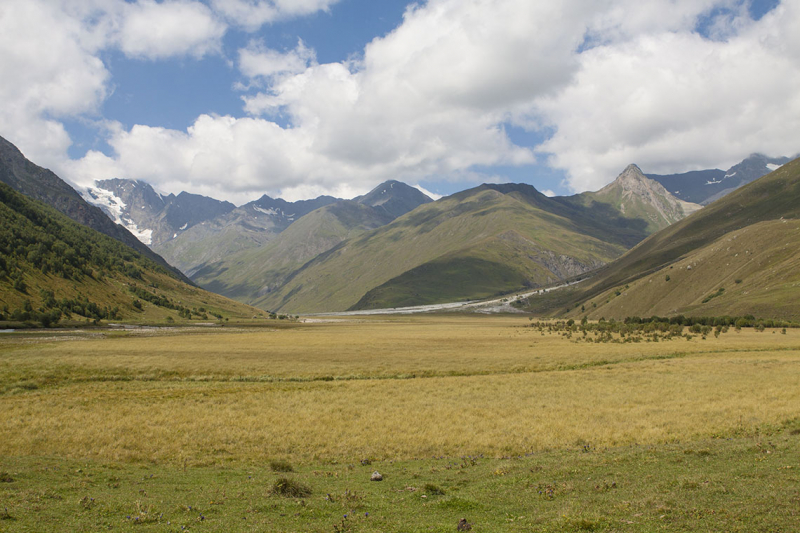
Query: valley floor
x: 515, y: 428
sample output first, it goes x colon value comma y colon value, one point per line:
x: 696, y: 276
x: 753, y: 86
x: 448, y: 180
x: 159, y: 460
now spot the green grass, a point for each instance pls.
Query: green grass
x: 739, y: 483
x: 446, y: 280
x: 512, y: 427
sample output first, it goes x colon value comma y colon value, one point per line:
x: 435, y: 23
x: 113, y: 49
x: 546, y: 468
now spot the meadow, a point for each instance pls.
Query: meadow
x: 516, y: 428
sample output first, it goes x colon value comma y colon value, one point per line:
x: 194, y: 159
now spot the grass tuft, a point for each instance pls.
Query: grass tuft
x: 434, y: 490
x: 290, y: 488
x: 279, y: 465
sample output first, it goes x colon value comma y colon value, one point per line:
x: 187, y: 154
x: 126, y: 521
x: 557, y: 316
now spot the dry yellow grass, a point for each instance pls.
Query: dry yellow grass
x: 492, y: 388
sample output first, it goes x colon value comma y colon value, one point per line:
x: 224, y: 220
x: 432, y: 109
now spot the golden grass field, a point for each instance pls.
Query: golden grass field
x: 381, y: 388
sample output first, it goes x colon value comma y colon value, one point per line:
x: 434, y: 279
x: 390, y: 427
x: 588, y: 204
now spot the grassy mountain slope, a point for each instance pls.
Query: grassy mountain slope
x: 41, y: 184
x: 52, y: 267
x: 771, y: 198
x: 253, y: 273
x: 465, y: 227
x: 754, y: 270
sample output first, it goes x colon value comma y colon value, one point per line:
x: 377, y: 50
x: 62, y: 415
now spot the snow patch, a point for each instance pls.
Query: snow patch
x: 107, y: 201
x: 144, y: 235
x: 269, y: 211
x: 773, y: 166
x: 184, y: 226
x: 431, y: 195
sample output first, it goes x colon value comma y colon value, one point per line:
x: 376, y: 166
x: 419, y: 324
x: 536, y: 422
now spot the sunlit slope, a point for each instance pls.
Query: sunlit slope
x: 754, y: 270
x: 465, y: 227
x: 46, y: 258
x: 249, y: 275
x: 771, y: 198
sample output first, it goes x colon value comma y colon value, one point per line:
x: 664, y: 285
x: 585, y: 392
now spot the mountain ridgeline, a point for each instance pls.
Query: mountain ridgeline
x: 395, y: 247
x: 704, y: 186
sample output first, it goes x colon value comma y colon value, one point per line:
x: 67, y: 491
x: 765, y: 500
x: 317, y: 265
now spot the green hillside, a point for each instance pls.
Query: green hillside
x: 52, y: 268
x: 751, y: 271
x: 249, y: 275
x: 759, y: 216
x: 500, y: 264
x: 41, y: 184
x: 516, y: 235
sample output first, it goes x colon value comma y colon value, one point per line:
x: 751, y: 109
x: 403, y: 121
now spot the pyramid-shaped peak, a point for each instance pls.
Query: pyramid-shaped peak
x: 632, y: 177
x: 632, y: 181
x: 632, y: 169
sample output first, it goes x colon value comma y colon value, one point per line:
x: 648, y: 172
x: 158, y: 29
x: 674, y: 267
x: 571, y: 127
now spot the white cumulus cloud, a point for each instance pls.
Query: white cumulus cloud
x: 615, y: 81
x: 153, y: 30
x: 675, y: 101
x: 257, y: 61
x: 48, y: 71
x: 252, y: 14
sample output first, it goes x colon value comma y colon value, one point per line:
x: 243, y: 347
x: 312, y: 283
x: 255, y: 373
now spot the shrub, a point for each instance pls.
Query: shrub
x: 290, y: 488
x: 281, y: 466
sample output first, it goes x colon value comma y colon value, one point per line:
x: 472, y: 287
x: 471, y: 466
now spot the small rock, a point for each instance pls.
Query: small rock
x: 376, y: 476
x: 463, y: 525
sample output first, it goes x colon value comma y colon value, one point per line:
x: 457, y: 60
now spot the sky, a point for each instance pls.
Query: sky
x: 296, y: 98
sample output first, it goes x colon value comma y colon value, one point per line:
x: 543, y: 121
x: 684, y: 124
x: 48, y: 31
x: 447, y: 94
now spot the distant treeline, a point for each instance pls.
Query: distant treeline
x: 655, y: 328
x: 746, y: 321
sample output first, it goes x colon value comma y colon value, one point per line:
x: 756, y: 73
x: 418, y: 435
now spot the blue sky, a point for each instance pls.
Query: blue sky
x: 236, y: 98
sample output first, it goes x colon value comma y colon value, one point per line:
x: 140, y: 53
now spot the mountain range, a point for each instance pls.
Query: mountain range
x: 393, y: 246
x: 644, y: 249
x: 53, y: 268
x: 488, y: 240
